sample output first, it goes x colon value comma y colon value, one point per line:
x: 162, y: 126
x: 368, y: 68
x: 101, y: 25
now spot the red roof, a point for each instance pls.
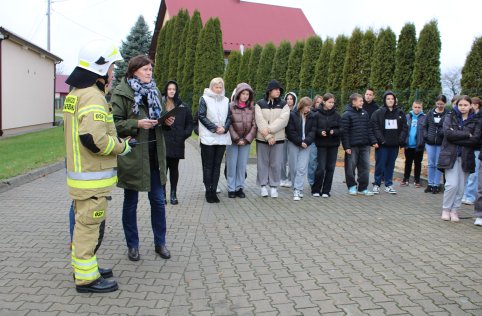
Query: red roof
x: 243, y: 22
x: 60, y: 85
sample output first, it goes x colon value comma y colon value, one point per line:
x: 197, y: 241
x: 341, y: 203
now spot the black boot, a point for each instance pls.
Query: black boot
x: 209, y: 194
x: 174, y: 200
x: 100, y: 285
x: 214, y: 194
x: 428, y: 189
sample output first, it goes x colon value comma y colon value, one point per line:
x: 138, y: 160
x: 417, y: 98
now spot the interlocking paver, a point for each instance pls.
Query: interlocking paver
x: 387, y: 254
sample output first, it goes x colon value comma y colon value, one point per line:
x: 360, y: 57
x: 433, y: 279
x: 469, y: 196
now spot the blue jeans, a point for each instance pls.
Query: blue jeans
x: 384, y: 164
x: 470, y: 193
x: 236, y: 163
x: 312, y: 163
x: 433, y: 151
x: 358, y: 162
x: 158, y: 213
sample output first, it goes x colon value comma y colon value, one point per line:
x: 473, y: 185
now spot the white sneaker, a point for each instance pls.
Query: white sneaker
x: 264, y: 191
x: 301, y: 194
x: 478, y: 221
x: 324, y: 195
x: 296, y: 195
x: 467, y: 202
x: 316, y: 194
x: 390, y: 190
x: 218, y: 190
x: 376, y: 189
x: 285, y: 183
x: 274, y: 192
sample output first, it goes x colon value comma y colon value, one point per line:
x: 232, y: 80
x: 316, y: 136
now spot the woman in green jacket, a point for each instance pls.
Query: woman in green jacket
x: 136, y: 110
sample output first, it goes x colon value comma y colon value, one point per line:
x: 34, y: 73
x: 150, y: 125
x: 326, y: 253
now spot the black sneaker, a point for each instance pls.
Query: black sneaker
x: 232, y: 195
x: 428, y: 189
x: 100, y: 285
x: 240, y: 194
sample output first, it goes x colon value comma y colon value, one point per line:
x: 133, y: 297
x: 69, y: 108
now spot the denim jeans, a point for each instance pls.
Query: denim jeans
x: 285, y: 171
x: 312, y: 164
x: 236, y: 163
x: 158, y: 213
x: 359, y: 161
x: 433, y: 151
x: 470, y: 193
x: 385, y: 164
x: 325, y: 170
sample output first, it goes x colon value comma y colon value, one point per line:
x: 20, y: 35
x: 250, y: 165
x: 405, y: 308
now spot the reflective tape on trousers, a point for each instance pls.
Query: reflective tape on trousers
x: 94, y: 175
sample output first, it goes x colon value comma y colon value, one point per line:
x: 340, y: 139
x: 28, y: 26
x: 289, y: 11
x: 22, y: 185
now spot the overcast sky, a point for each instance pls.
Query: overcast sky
x: 75, y: 22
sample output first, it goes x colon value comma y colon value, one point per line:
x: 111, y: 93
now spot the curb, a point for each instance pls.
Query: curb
x: 19, y: 180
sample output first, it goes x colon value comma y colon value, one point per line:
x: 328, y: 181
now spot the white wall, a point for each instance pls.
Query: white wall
x: 27, y: 87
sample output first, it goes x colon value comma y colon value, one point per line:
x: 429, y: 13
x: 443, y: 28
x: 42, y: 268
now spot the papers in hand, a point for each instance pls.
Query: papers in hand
x: 169, y: 114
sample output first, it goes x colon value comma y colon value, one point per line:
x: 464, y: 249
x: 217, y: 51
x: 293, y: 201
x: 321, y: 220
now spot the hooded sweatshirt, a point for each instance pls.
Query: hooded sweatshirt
x: 294, y: 96
x: 413, y: 128
x: 390, y: 127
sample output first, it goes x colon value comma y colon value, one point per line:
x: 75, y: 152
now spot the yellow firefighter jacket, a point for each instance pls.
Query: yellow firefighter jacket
x: 91, y: 143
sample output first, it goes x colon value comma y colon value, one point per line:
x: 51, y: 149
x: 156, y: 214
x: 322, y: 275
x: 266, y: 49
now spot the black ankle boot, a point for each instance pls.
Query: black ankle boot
x: 209, y: 194
x: 214, y: 195
x: 174, y: 200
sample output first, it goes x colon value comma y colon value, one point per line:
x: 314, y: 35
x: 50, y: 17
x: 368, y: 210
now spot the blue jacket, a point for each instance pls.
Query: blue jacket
x: 415, y: 137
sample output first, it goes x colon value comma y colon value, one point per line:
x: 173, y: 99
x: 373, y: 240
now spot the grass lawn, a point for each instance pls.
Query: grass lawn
x: 30, y: 151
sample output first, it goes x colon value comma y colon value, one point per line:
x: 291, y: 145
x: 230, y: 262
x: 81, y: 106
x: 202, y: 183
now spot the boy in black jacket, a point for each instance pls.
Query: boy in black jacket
x: 357, y: 137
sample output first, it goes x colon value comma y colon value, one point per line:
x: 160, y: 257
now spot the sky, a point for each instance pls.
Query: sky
x: 75, y: 22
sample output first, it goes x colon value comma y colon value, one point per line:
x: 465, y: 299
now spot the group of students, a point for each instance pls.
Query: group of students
x: 295, y: 136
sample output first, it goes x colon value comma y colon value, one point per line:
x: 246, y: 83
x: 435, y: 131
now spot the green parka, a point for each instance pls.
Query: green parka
x: 134, y: 168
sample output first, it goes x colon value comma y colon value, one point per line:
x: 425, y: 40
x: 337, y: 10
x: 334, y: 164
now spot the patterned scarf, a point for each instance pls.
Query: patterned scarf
x: 150, y: 92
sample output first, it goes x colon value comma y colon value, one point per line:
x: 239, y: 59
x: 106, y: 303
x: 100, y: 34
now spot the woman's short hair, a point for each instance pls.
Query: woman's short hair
x: 135, y: 63
x: 305, y: 101
x: 216, y: 81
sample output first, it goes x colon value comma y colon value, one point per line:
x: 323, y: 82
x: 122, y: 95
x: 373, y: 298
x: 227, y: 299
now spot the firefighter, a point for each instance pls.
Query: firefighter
x: 91, y: 147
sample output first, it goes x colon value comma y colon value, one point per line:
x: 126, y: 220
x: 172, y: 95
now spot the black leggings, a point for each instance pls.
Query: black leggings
x: 212, y: 157
x: 172, y: 165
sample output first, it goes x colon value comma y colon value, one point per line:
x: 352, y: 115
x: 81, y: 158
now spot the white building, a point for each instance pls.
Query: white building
x: 27, y: 85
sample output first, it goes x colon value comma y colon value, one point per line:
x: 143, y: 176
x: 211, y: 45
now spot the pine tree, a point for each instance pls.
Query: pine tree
x: 232, y: 71
x: 182, y: 50
x: 426, y: 83
x: 220, y: 62
x: 383, y: 65
x: 320, y: 80
x: 166, y: 62
x: 335, y: 67
x: 367, y: 48
x: 472, y: 71
x: 209, y: 63
x: 137, y: 43
x: 243, y: 68
x: 405, y: 58
x: 294, y: 67
x: 280, y: 62
x: 160, y: 56
x: 253, y: 64
x: 311, y: 52
x: 187, y: 82
x: 180, y: 23
x: 352, y: 76
x: 263, y: 75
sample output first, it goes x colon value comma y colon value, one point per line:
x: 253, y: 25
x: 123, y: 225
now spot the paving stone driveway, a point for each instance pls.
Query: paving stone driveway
x: 381, y: 255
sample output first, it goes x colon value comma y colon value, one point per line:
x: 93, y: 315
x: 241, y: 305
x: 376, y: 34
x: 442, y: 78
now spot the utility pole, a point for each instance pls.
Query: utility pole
x: 48, y: 25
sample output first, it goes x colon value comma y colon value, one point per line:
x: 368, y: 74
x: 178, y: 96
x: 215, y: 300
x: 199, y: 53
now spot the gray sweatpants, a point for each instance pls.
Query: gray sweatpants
x: 454, y: 186
x: 269, y: 160
x: 298, y: 160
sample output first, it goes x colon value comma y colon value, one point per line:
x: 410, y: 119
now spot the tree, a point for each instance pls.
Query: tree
x: 137, y: 43
x: 383, y: 63
x: 253, y: 64
x: 451, y: 82
x: 244, y: 67
x: 472, y: 71
x: 220, y: 64
x: 320, y: 80
x: 311, y: 52
x: 426, y: 71
x: 180, y: 23
x: 160, y: 56
x: 294, y: 67
x: 232, y: 71
x: 367, y: 48
x: 263, y: 75
x: 337, y: 62
x: 404, y: 62
x: 187, y: 82
x: 209, y: 62
x: 352, y: 76
x: 280, y: 62
x: 182, y: 50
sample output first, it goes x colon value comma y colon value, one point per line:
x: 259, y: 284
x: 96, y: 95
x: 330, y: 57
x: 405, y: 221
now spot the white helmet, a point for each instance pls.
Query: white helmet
x: 97, y: 56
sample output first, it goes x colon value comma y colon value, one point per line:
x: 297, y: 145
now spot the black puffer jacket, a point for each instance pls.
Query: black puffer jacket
x: 294, y: 132
x: 328, y: 120
x: 356, y: 129
x: 459, y: 141
x: 181, y: 129
x: 433, y: 132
